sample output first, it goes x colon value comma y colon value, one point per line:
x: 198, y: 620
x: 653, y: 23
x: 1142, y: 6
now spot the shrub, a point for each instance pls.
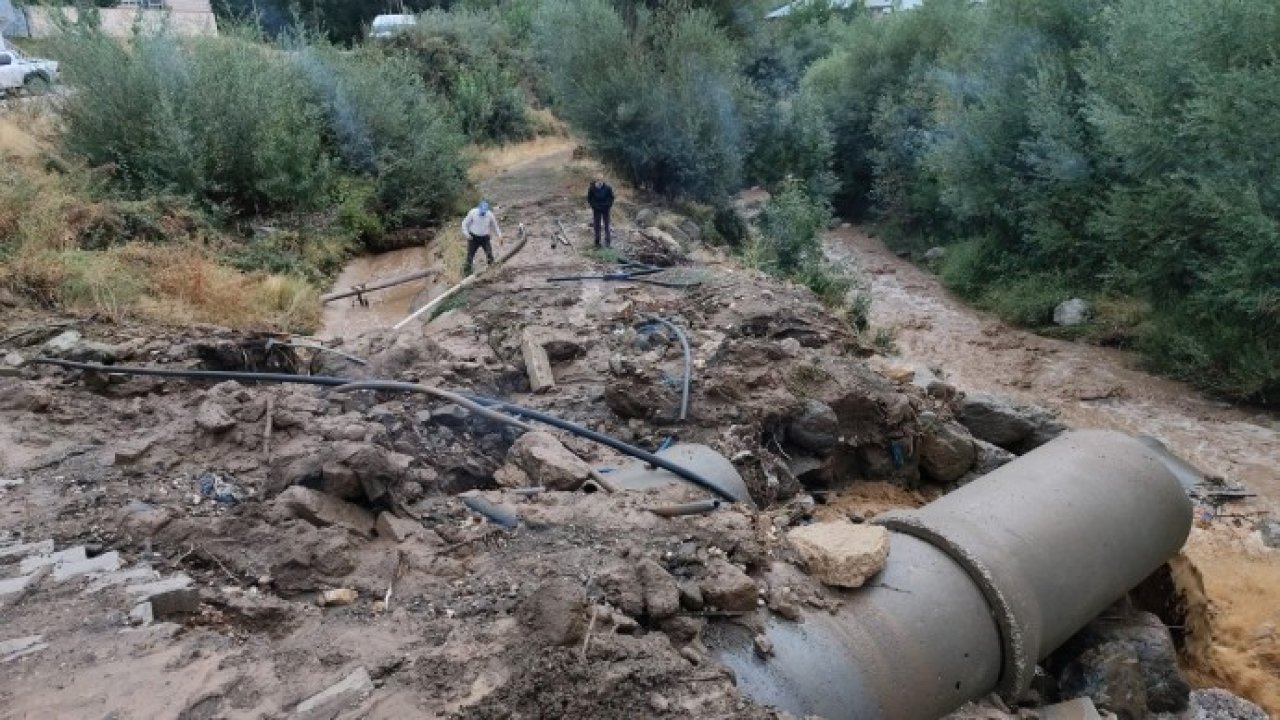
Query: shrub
x: 791, y: 222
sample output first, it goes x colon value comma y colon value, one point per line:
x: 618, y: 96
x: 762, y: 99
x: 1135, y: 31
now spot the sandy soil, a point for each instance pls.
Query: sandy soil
x: 1096, y: 387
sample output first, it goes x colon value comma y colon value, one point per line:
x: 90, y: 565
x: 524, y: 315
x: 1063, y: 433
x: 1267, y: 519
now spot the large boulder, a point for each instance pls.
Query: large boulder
x: 841, y: 554
x: 547, y: 462
x: 1017, y: 428
x: 1071, y: 312
x: 1102, y: 659
x: 947, y: 450
x: 815, y: 428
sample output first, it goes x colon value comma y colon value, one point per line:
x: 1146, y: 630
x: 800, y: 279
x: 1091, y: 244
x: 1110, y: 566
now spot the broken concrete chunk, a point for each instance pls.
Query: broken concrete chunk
x: 212, y: 417
x: 131, y: 451
x: 841, y: 554
x: 22, y: 550
x: 397, y: 529
x: 104, y: 563
x: 70, y: 555
x: 18, y: 647
x: 142, y: 614
x: 728, y: 588
x: 9, y: 586
x: 176, y: 601
x: 349, y: 689
x: 146, y: 591
x: 548, y: 462
x: 323, y: 510
x: 1078, y: 709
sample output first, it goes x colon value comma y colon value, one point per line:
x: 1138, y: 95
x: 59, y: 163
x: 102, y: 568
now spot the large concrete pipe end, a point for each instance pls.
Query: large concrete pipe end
x: 980, y: 585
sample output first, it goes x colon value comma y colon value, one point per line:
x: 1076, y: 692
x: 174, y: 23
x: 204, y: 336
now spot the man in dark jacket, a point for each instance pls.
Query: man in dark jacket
x: 600, y: 198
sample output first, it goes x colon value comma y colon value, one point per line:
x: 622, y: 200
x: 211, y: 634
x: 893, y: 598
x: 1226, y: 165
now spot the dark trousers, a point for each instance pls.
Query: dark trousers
x: 599, y: 215
x: 477, y: 242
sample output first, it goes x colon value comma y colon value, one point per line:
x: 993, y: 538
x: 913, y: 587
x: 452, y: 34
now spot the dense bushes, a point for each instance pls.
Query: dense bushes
x: 1113, y: 150
x: 248, y: 128
x: 474, y: 58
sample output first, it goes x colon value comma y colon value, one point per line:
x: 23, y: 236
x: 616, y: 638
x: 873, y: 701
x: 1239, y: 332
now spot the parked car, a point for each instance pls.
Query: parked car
x: 19, y: 72
x: 386, y: 26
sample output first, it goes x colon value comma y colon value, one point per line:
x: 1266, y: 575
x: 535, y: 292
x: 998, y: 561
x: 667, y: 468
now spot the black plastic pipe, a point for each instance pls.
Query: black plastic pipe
x: 328, y: 381
x: 688, y: 362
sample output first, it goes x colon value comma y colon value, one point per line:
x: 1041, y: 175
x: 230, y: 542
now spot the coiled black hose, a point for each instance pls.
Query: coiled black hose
x: 328, y: 381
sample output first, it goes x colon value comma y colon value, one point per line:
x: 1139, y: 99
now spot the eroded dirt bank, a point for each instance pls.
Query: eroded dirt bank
x: 1232, y: 578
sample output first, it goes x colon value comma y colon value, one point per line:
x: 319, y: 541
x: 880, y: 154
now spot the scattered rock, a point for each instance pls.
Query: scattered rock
x: 935, y: 254
x: 338, y: 598
x: 946, y: 449
x: 726, y: 587
x: 659, y: 590
x: 450, y: 415
x: 1126, y: 663
x: 556, y: 610
x: 322, y: 510
x: 1077, y: 709
x: 763, y: 645
x: 1012, y: 427
x: 397, y: 529
x: 815, y: 428
x: 990, y: 457
x: 1071, y: 312
x: 131, y: 451
x: 62, y: 344
x: 690, y: 596
x: 1270, y: 531
x: 212, y: 417
x: 654, y: 247
x: 327, y: 702
x: 142, y: 614
x: 1217, y: 704
x: 841, y: 554
x: 24, y: 397
x: 646, y: 217
x: 546, y: 461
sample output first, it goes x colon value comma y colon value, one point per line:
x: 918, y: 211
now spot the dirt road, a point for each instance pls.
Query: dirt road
x: 1097, y: 387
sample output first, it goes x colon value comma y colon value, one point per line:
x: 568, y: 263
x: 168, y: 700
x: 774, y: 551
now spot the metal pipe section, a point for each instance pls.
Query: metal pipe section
x: 979, y: 586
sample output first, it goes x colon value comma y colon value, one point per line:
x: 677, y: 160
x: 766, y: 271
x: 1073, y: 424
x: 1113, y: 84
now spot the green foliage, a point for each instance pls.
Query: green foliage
x: 473, y: 58
x: 792, y: 221
x: 658, y: 101
x: 1081, y: 147
x: 249, y: 128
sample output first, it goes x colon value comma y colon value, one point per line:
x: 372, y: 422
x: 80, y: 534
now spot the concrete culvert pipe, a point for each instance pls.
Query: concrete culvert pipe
x: 979, y: 586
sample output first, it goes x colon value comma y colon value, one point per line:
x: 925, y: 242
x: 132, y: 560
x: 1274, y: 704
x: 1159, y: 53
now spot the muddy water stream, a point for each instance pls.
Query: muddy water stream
x: 348, y: 317
x: 1230, y: 580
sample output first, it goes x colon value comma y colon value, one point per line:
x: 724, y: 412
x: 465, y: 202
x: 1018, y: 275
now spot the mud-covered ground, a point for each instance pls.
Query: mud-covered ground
x: 322, y: 533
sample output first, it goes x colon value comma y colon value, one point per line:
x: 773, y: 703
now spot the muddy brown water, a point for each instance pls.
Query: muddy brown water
x: 1230, y: 581
x: 348, y: 317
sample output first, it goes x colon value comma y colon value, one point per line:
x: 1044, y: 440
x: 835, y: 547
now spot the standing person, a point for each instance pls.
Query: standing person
x: 600, y: 198
x: 479, y: 225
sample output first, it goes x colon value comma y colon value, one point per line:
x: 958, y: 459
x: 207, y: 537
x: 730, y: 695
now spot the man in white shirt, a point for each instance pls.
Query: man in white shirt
x: 479, y: 225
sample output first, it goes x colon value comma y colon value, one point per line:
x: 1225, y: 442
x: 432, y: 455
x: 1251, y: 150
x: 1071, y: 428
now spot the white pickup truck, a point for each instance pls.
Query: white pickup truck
x: 19, y: 72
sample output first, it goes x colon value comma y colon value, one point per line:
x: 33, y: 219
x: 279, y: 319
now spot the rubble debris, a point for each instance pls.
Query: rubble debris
x: 556, y: 611
x: 546, y: 461
x: 142, y: 614
x: 21, y: 647
x: 322, y: 510
x: 397, y: 529
x: 219, y: 488
x: 1018, y: 428
x: 70, y: 555
x: 104, y: 563
x: 336, y: 696
x: 841, y: 554
x: 536, y: 363
x: 726, y: 587
x: 213, y: 418
x: 658, y: 589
